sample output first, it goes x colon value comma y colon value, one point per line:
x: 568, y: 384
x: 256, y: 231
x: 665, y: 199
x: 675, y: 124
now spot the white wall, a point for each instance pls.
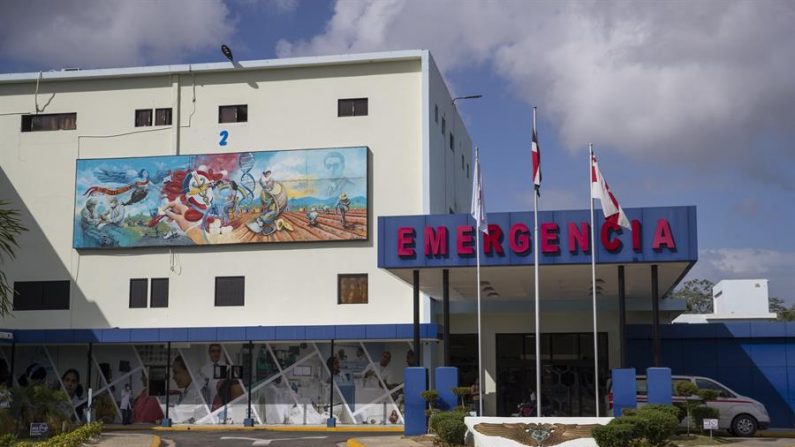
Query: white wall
x: 741, y: 298
x: 451, y: 187
x: 289, y: 108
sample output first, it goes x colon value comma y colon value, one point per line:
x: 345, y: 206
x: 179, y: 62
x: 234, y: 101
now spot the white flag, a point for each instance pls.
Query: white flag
x: 601, y: 190
x: 478, y: 204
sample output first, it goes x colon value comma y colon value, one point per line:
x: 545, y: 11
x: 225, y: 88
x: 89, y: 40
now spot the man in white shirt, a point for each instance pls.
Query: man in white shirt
x: 207, y: 372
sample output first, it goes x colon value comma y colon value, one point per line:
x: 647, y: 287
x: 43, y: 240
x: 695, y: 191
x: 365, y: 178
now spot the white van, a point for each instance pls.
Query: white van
x: 739, y: 415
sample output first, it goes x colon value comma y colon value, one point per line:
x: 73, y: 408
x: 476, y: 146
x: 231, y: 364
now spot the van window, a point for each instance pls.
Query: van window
x: 704, y: 384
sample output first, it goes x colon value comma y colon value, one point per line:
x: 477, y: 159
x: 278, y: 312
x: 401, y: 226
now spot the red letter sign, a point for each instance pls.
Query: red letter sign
x: 549, y: 238
x: 491, y: 240
x: 663, y: 236
x: 610, y: 244
x: 464, y: 240
x: 636, y: 236
x: 405, y: 242
x: 436, y: 241
x: 578, y: 237
x: 519, y: 238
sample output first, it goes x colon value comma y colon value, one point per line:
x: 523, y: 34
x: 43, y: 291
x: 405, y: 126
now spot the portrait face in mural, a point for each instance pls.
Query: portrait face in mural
x: 214, y: 352
x: 71, y: 383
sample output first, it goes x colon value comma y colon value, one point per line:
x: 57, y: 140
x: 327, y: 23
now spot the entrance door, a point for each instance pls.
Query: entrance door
x: 567, y: 380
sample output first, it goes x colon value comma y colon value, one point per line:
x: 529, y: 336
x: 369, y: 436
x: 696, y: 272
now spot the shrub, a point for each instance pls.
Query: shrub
x: 462, y: 392
x: 433, y: 423
x: 707, y: 395
x: 615, y: 434
x: 75, y: 438
x: 430, y: 396
x: 698, y: 414
x: 7, y: 440
x: 686, y: 388
x: 452, y: 431
x: 657, y: 424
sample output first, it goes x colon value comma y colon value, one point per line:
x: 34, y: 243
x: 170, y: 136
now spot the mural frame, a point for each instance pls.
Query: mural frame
x: 366, y: 226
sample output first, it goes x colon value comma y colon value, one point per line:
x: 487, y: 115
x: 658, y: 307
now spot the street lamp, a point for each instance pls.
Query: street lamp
x: 452, y: 132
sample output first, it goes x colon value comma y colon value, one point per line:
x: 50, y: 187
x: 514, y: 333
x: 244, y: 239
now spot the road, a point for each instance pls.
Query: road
x: 256, y: 438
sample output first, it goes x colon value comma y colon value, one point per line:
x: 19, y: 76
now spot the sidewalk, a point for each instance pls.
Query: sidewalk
x: 122, y: 439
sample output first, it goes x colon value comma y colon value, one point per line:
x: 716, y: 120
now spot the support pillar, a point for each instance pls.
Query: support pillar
x: 166, y: 422
x: 417, y: 347
x: 622, y: 317
x: 655, y: 309
x: 331, y: 422
x: 446, y: 315
x: 249, y: 421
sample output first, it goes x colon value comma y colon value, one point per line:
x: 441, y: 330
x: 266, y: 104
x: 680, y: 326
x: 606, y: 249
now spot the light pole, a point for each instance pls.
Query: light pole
x: 445, y: 143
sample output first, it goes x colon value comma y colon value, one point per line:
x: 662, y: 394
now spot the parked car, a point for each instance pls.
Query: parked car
x: 739, y: 415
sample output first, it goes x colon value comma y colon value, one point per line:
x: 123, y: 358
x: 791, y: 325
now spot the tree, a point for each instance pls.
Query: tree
x: 10, y: 228
x: 697, y: 293
x: 783, y: 312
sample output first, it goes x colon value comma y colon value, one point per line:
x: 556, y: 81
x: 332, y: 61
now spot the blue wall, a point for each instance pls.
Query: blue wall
x: 755, y: 359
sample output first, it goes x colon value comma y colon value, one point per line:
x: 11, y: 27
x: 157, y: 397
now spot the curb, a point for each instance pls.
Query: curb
x: 353, y: 442
x: 155, y: 441
x: 784, y: 434
x: 300, y: 428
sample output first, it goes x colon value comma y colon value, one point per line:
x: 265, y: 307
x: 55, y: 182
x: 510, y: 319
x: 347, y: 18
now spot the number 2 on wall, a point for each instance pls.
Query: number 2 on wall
x: 224, y: 136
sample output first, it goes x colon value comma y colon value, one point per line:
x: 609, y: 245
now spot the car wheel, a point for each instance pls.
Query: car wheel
x: 744, y: 426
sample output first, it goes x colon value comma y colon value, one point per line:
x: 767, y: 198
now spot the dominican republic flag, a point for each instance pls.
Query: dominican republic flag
x: 536, y: 162
x: 601, y: 190
x: 478, y: 204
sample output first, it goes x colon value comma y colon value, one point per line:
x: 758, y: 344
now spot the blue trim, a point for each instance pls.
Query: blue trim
x: 226, y: 334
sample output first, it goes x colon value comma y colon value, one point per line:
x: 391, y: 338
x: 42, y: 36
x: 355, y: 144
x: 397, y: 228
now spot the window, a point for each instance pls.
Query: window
x: 159, y: 293
x: 143, y: 117
x: 452, y: 211
x: 229, y: 290
x: 462, y: 162
x: 467, y: 170
x: 233, y: 114
x: 452, y: 142
x: 444, y: 126
x: 163, y: 117
x: 139, y: 290
x: 703, y: 384
x: 352, y: 107
x: 352, y: 288
x: 50, y: 121
x: 41, y: 295
x: 436, y: 113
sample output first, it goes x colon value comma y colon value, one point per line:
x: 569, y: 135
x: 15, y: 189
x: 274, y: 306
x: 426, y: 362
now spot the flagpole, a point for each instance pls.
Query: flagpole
x: 537, y: 298
x: 593, y: 281
x: 477, y: 257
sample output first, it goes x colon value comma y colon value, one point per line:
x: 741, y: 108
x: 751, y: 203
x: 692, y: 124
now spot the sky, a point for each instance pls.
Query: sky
x: 686, y: 103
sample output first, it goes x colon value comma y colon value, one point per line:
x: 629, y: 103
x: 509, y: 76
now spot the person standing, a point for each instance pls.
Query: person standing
x: 126, y: 405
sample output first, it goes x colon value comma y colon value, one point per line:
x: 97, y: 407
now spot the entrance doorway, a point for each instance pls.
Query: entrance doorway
x: 567, y: 380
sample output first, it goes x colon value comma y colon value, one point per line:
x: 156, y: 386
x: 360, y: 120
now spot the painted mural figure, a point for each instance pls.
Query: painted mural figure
x: 114, y: 216
x: 274, y: 202
x: 335, y: 166
x: 343, y: 206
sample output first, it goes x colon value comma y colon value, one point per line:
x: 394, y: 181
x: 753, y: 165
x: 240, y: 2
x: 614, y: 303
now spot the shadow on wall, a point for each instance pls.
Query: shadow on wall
x: 37, y: 260
x: 755, y: 359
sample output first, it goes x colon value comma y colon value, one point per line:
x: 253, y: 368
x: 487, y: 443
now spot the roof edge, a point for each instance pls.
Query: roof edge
x: 211, y: 67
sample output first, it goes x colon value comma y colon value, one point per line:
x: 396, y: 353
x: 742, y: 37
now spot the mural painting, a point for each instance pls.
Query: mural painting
x: 246, y: 197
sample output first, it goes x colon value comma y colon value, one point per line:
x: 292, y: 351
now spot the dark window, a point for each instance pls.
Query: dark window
x: 233, y: 114
x: 436, y: 113
x: 444, y: 127
x: 163, y: 117
x: 452, y: 211
x: 143, y: 117
x: 159, y: 296
x: 467, y: 170
x: 452, y: 142
x: 139, y: 291
x: 352, y: 288
x: 230, y: 290
x: 352, y: 107
x: 41, y: 295
x: 462, y: 162
x: 50, y: 121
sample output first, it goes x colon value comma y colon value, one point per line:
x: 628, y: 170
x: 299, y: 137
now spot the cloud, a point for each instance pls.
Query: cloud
x: 110, y: 33
x: 695, y: 82
x: 749, y: 263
